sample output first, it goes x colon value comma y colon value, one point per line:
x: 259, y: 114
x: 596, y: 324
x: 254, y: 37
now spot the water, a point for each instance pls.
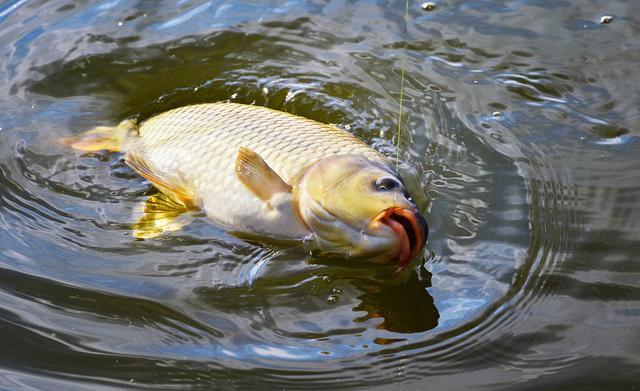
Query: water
x: 521, y: 137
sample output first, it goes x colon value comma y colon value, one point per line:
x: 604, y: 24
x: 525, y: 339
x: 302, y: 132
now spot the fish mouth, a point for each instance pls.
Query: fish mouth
x: 410, y: 228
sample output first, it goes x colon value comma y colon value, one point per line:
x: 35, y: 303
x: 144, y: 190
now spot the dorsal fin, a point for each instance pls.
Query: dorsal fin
x: 257, y: 176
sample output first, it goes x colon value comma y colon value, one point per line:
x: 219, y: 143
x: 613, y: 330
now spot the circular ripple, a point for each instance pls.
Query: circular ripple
x: 489, y: 147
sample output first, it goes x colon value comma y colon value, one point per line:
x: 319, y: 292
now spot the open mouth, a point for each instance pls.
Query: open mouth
x: 410, y: 228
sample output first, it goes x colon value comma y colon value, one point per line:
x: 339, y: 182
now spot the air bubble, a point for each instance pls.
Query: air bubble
x: 428, y: 6
x: 332, y: 299
x: 606, y: 19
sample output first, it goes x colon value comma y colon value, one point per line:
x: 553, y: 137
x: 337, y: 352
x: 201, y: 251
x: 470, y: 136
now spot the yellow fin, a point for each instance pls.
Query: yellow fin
x: 161, y: 214
x: 257, y: 176
x: 109, y: 138
x: 165, y: 185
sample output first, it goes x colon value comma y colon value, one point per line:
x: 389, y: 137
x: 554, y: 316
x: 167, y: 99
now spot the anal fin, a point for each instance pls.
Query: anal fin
x: 166, y: 185
x: 161, y: 214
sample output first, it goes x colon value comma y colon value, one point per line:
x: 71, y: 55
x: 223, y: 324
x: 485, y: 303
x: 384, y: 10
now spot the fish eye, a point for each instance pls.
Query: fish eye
x: 387, y: 183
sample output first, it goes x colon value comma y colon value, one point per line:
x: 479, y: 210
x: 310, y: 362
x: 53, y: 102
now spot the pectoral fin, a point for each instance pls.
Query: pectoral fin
x: 257, y: 176
x: 161, y: 213
x: 166, y: 185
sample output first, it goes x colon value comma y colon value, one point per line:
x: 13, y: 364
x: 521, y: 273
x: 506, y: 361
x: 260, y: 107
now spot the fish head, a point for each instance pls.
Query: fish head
x: 357, y: 208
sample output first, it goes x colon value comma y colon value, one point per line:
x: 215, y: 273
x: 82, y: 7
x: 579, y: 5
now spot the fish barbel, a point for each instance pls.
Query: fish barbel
x: 268, y: 173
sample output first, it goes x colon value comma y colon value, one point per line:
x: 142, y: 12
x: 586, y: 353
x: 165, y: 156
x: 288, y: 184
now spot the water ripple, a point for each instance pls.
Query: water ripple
x: 520, y: 146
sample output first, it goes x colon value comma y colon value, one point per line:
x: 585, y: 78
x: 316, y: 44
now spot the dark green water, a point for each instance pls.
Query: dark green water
x: 521, y: 134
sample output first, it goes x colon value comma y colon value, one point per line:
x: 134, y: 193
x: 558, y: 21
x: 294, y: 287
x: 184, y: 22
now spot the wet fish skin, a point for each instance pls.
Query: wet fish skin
x: 196, y: 146
x: 200, y: 154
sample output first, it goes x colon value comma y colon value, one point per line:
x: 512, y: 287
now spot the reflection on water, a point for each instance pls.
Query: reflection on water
x: 521, y: 145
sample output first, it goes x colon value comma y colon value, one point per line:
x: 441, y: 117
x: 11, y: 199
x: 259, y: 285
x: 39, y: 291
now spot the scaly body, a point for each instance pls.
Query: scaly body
x: 197, y: 147
x: 268, y: 173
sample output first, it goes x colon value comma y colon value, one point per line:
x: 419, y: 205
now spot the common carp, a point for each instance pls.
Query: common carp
x: 268, y: 173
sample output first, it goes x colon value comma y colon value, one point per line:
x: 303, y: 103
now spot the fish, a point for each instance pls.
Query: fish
x: 270, y: 174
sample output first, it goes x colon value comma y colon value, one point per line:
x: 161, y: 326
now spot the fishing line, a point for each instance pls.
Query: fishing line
x: 404, y: 55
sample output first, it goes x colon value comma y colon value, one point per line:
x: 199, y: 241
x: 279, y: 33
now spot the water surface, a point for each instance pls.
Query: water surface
x: 520, y: 136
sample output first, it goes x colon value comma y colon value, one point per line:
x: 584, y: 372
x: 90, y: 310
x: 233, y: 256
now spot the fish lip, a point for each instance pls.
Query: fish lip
x: 409, y: 226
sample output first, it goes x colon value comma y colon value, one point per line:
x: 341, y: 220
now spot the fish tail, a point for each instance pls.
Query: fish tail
x: 109, y: 138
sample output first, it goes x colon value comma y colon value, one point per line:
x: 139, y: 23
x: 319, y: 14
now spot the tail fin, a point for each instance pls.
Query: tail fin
x: 101, y: 138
